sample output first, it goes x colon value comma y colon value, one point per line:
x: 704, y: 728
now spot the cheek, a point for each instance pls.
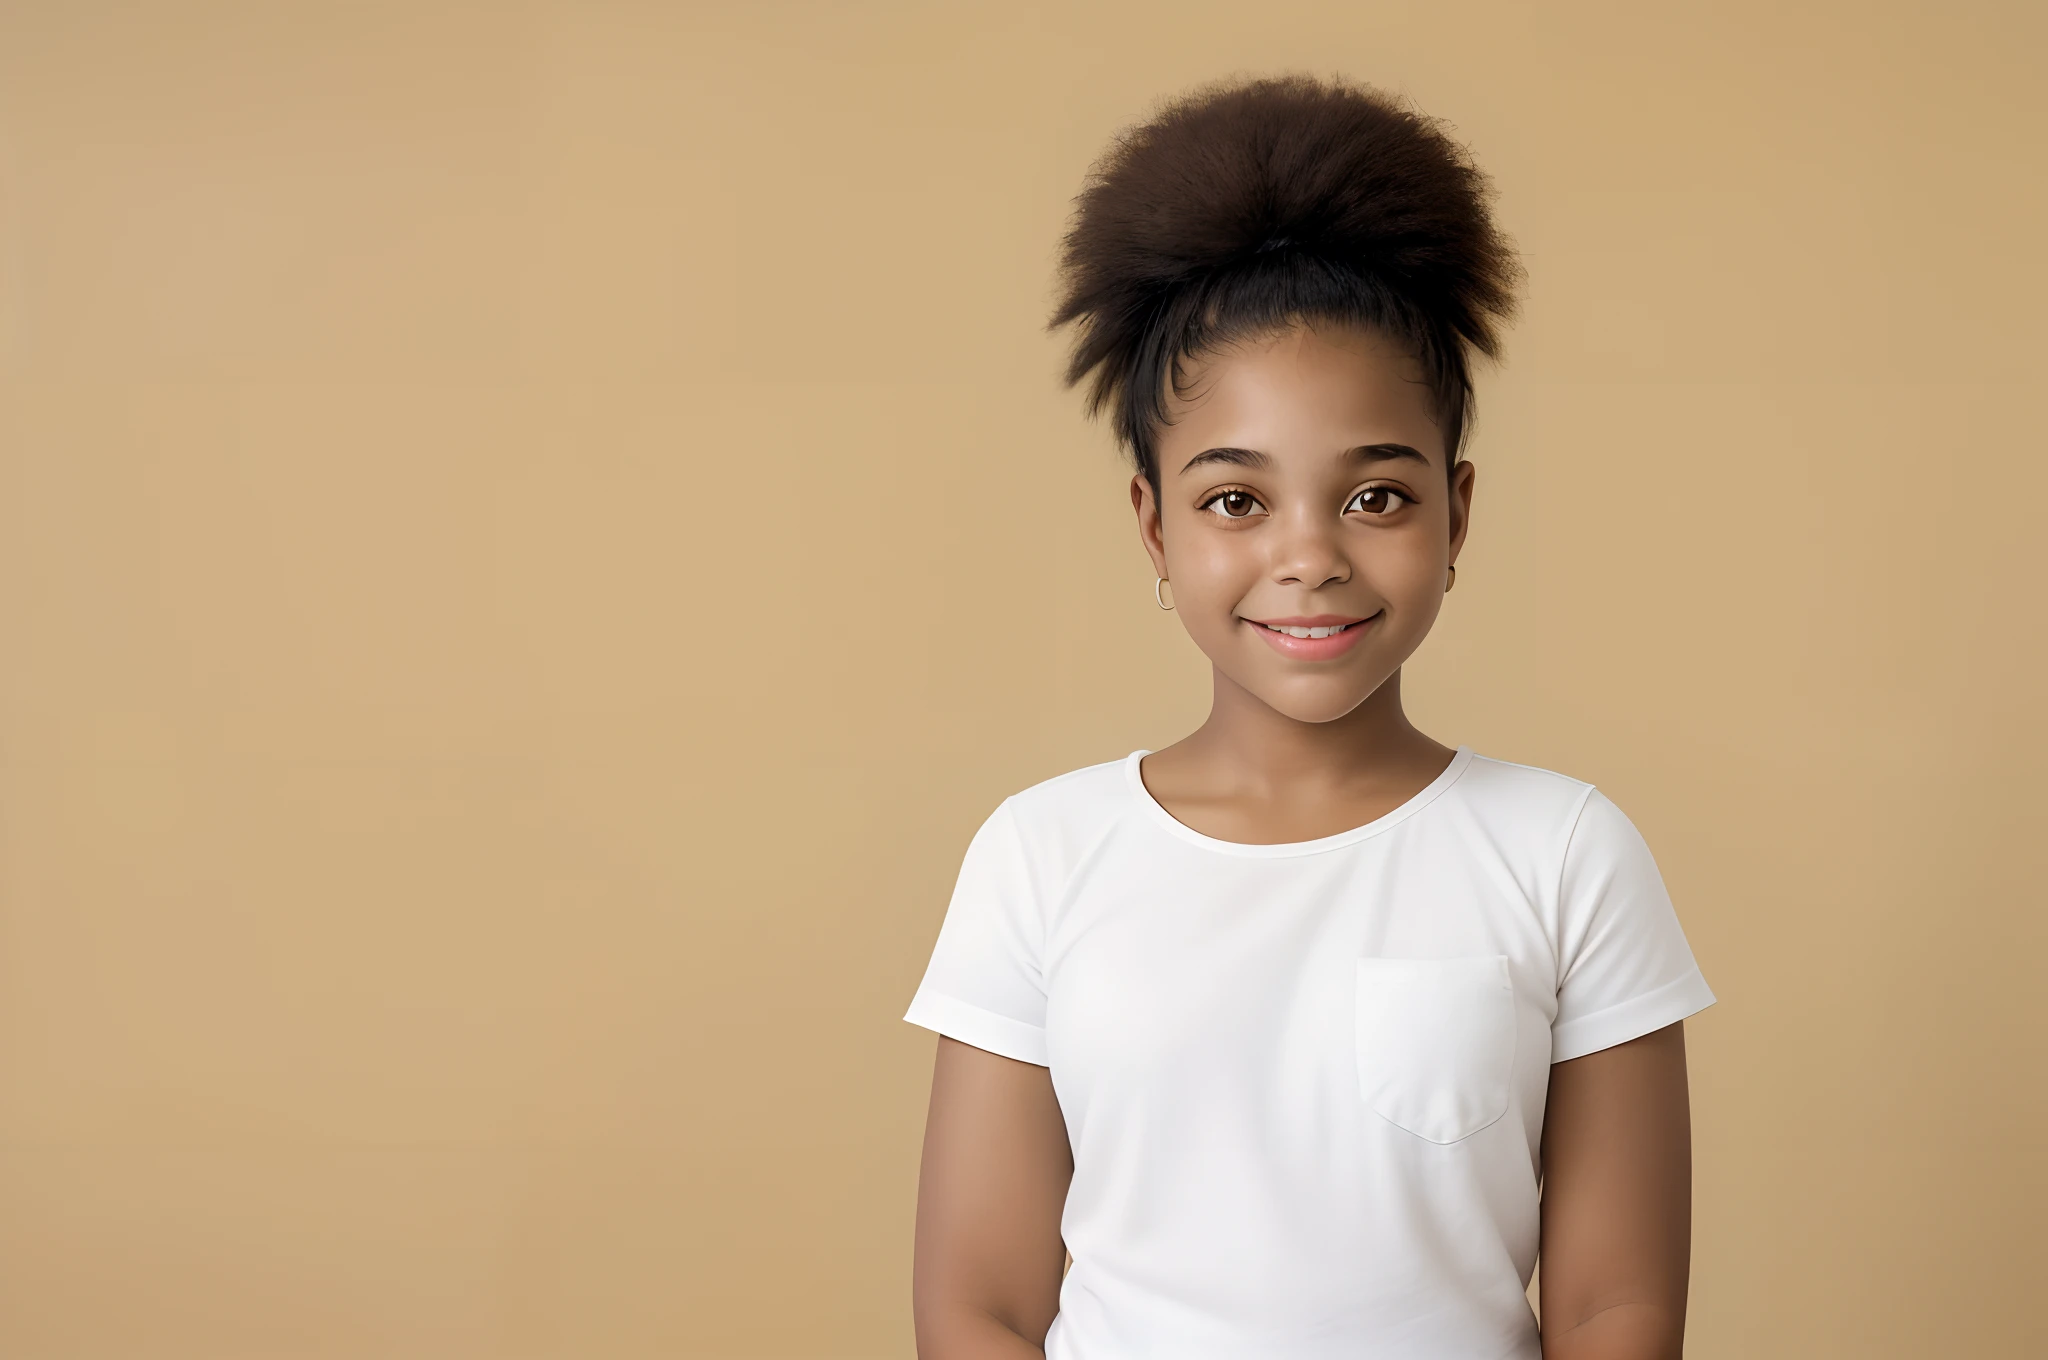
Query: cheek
x: 1212, y: 570
x: 1408, y: 571
x: 1408, y: 563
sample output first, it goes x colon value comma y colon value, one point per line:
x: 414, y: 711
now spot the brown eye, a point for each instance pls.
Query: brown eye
x: 1378, y: 500
x: 1232, y: 504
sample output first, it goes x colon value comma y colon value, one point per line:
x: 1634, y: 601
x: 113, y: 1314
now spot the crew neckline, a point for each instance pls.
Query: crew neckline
x: 1461, y: 759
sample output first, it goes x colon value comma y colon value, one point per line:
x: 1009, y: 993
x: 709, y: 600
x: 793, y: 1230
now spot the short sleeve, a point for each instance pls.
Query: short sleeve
x: 1624, y: 967
x: 983, y: 985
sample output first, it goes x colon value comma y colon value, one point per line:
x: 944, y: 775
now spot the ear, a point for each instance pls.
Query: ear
x: 1461, y: 506
x: 1149, y: 531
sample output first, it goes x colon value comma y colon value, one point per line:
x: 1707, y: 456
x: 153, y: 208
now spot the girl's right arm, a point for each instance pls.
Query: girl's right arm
x: 985, y: 1281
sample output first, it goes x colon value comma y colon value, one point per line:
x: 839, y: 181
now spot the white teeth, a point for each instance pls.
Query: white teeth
x: 1294, y: 631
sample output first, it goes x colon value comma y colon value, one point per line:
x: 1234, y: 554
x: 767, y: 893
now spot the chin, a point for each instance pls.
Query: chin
x: 1314, y: 706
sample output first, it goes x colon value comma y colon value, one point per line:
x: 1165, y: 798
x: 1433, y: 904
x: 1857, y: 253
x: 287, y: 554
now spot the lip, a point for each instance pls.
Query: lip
x: 1315, y: 620
x: 1314, y: 649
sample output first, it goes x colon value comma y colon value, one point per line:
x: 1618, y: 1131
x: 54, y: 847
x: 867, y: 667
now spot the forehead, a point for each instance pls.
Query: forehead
x: 1300, y: 392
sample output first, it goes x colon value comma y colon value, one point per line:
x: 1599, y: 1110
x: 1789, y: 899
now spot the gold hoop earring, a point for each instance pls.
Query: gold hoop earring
x: 1451, y: 581
x: 1158, y: 587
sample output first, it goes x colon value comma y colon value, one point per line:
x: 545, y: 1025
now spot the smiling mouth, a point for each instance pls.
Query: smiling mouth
x: 1313, y: 637
x: 1296, y: 630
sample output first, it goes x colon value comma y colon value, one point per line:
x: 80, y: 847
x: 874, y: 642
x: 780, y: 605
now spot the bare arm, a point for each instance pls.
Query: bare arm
x: 1617, y: 1202
x: 985, y: 1280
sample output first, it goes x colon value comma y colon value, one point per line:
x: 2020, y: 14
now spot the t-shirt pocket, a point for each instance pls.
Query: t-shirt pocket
x: 1436, y: 1042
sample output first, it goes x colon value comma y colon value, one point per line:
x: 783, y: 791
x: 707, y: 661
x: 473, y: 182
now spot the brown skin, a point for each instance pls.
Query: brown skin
x: 985, y: 1279
x: 1617, y: 1202
x: 1285, y: 492
x: 1295, y: 749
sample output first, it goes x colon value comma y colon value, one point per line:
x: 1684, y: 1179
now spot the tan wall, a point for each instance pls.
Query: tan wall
x: 530, y: 535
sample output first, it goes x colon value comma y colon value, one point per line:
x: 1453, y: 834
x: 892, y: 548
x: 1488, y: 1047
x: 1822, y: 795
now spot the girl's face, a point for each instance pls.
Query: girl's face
x: 1303, y: 488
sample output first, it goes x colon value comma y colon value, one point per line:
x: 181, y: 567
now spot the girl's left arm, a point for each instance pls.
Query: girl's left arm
x: 1617, y: 1202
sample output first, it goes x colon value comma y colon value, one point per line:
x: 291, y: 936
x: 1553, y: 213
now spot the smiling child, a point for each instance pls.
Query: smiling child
x: 1303, y: 1036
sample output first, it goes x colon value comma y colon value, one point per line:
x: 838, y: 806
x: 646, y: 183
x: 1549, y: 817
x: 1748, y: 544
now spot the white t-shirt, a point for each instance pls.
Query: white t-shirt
x: 1304, y: 1083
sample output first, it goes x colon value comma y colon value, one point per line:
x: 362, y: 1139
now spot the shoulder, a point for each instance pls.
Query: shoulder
x: 1075, y: 802
x: 1506, y: 795
x: 1544, y: 811
x: 1054, y: 823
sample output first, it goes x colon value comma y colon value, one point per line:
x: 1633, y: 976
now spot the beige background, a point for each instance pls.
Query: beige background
x: 530, y: 536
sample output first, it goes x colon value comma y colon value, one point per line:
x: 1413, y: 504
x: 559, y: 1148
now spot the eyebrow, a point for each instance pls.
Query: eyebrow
x: 1253, y: 458
x: 1380, y: 453
x: 1250, y: 458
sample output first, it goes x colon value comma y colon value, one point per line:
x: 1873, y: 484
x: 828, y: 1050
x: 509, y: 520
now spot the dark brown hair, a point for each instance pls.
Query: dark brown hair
x: 1250, y: 206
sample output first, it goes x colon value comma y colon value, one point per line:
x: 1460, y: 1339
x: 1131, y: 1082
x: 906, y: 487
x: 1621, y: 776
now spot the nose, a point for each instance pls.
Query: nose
x: 1308, y: 552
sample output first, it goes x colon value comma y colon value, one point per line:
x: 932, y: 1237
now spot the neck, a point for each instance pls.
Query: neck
x: 1270, y: 749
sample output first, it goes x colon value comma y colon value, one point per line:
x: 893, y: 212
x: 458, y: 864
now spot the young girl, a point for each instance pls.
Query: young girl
x: 1305, y: 1034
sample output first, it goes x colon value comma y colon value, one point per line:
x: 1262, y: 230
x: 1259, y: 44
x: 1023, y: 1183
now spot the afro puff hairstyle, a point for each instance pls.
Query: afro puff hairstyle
x: 1249, y: 207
